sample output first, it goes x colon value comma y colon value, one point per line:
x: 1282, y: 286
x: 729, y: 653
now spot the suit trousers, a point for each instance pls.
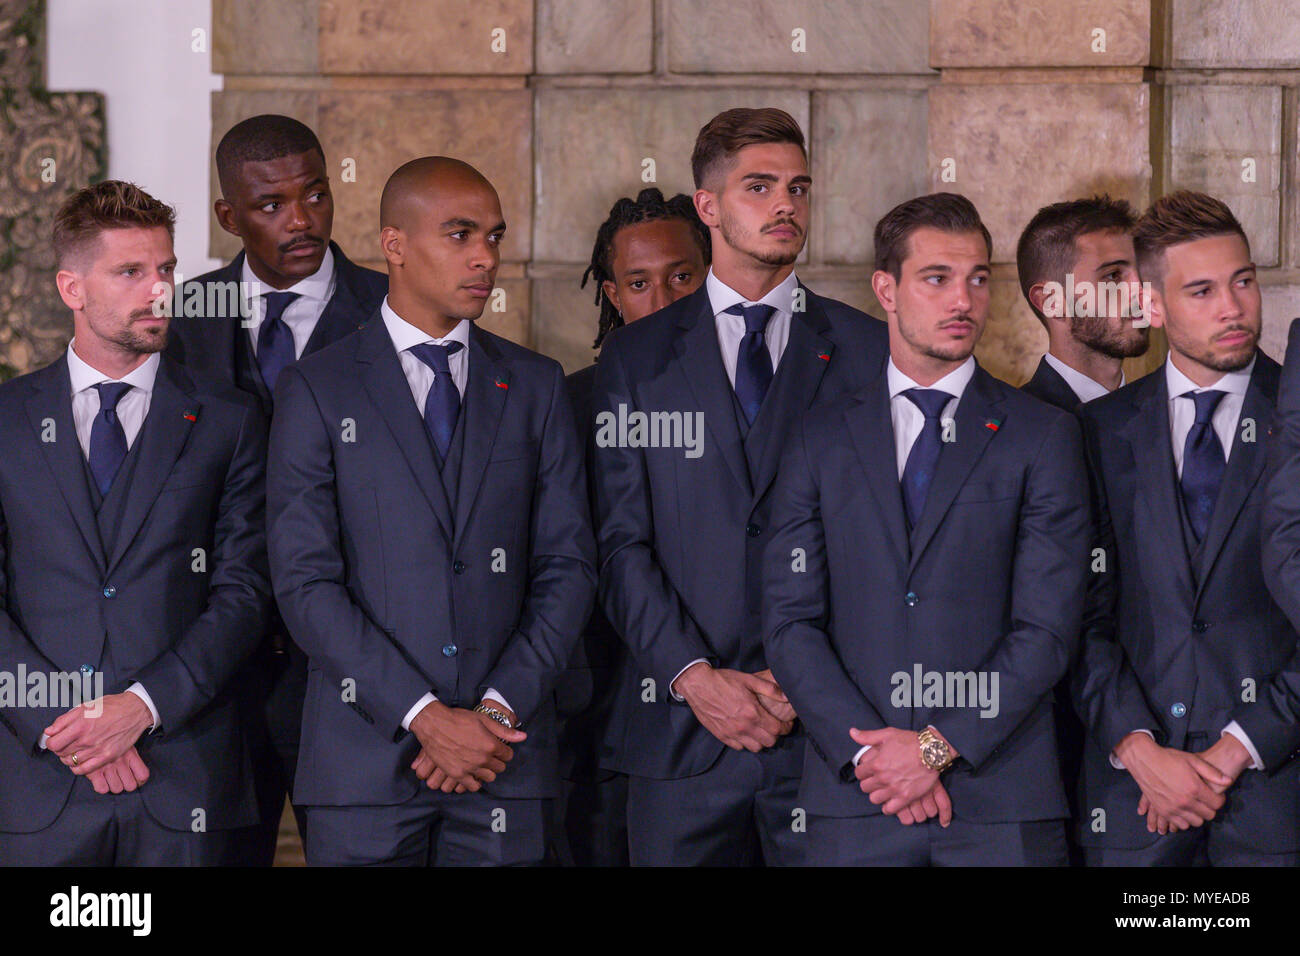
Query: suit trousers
x: 739, y: 812
x: 880, y: 840
x: 433, y: 829
x: 111, y: 829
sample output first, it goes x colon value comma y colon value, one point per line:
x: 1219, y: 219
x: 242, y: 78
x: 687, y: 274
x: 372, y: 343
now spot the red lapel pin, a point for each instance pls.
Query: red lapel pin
x: 502, y: 383
x: 190, y: 417
x: 993, y: 424
x: 824, y: 356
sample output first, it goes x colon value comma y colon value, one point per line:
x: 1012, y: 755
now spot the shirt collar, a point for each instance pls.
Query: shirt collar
x: 1084, y: 387
x: 318, y: 286
x: 405, y: 335
x: 1234, y: 383
x: 954, y: 383
x: 723, y: 296
x: 85, y: 376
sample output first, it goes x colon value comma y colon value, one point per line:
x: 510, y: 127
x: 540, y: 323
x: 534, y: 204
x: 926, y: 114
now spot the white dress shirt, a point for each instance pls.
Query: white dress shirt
x: 731, y: 329
x: 909, y: 420
x: 419, y: 378
x: 1182, y: 415
x: 302, y: 314
x: 1083, y: 387
x: 131, y: 410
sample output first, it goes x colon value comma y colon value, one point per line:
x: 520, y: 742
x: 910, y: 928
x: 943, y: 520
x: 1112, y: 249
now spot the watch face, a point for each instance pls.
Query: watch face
x: 935, y: 753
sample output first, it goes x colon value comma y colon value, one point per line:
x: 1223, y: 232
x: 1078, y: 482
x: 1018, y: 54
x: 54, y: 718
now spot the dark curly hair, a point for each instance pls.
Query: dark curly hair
x: 649, y: 206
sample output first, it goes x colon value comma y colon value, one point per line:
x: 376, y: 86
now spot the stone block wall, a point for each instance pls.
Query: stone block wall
x: 561, y: 103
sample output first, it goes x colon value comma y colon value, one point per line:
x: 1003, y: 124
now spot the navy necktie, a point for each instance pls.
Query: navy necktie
x: 1203, y: 462
x: 275, y: 338
x: 924, y: 456
x: 442, y: 406
x: 107, y: 440
x: 753, y: 360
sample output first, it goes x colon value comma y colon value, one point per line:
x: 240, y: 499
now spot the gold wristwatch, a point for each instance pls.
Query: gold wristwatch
x: 935, y: 752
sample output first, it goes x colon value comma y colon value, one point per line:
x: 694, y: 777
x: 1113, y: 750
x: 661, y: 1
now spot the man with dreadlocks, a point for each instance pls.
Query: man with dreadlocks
x: 648, y: 253
x: 704, y: 732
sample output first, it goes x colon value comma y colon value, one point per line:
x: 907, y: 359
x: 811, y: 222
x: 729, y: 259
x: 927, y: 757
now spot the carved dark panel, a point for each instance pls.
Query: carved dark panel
x: 51, y: 144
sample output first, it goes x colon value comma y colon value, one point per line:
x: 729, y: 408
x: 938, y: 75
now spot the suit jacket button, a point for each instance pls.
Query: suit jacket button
x: 110, y: 591
x: 449, y: 650
x: 910, y: 599
x: 86, y: 669
x: 1179, y: 710
x: 753, y: 530
x: 1200, y: 627
x: 458, y: 567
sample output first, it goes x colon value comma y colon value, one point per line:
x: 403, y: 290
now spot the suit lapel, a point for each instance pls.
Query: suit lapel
x: 1149, y: 437
x: 172, y: 413
x: 806, y: 357
x: 1245, y: 465
x: 706, y: 378
x: 51, y: 400
x: 871, y: 427
x: 342, y: 313
x: 486, y: 391
x: 979, y: 415
x: 385, y: 382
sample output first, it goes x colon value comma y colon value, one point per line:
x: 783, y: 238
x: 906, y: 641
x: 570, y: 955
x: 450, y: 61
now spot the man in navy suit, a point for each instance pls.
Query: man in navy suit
x: 431, y: 552
x: 648, y: 253
x: 1188, y: 676
x: 1078, y: 272
x: 290, y: 292
x: 132, y: 543
x: 925, y: 577
x: 693, y: 405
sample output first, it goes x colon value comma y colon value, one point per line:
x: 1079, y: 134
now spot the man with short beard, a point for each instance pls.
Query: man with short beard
x: 1188, y: 673
x: 133, y: 549
x: 290, y: 292
x: 932, y: 523
x: 1089, y: 241
x: 703, y: 730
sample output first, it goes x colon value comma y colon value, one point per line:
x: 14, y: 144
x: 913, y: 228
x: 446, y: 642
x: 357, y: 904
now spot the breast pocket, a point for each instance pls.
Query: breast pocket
x: 985, y: 491
x: 512, y: 451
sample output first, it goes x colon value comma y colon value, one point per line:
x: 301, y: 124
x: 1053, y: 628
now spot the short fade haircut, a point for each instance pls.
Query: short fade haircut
x: 948, y: 212
x: 1047, y: 250
x: 111, y: 204
x: 732, y: 130
x: 1179, y: 217
x: 260, y: 139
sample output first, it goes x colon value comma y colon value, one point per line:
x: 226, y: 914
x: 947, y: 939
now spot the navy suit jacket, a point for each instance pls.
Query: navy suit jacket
x: 217, y: 349
x: 1157, y: 635
x: 392, y: 590
x: 680, y: 538
x: 990, y: 580
x: 1049, y: 386
x: 65, y: 598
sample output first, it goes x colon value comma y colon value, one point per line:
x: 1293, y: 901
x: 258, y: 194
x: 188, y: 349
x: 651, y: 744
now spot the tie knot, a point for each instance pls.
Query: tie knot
x: 755, y: 316
x: 277, y: 302
x: 1206, y: 402
x: 930, y: 401
x: 110, y: 393
x: 436, y: 356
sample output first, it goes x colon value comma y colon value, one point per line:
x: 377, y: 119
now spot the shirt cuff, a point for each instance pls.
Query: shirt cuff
x: 491, y: 694
x: 138, y: 689
x: 858, y: 756
x: 1236, y: 730
x: 1115, y: 761
x: 420, y: 704
x: 677, y: 696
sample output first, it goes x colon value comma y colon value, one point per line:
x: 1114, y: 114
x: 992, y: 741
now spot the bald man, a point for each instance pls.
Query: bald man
x: 432, y: 552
